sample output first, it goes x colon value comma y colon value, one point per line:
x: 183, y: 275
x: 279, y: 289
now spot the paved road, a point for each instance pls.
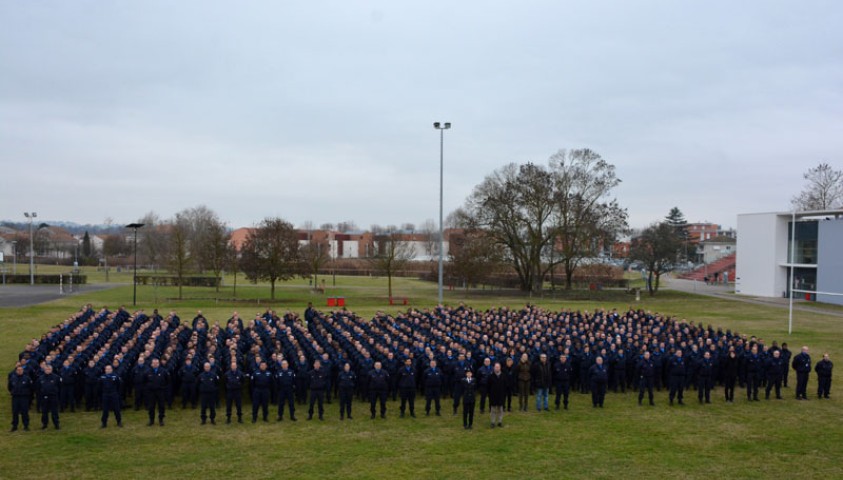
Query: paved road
x: 26, y: 295
x: 728, y: 293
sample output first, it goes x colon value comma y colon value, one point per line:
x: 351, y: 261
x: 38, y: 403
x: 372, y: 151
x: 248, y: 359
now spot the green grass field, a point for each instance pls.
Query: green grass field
x: 775, y: 439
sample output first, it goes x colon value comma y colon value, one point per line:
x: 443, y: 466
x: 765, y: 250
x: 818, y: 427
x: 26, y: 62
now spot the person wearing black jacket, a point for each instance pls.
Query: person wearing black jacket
x: 234, y: 380
x: 775, y: 366
x: 496, y: 387
x: 318, y: 382
x: 705, y: 378
x: 20, y: 387
x: 433, y: 380
x: 378, y: 388
x: 92, y: 380
x: 407, y: 387
x: 346, y: 382
x: 542, y: 375
x: 110, y: 387
x: 208, y: 381
x: 49, y: 386
x: 802, y: 365
x: 155, y: 383
x: 786, y: 355
x: 730, y: 375
x: 646, y: 371
x: 483, y: 374
x: 511, y: 374
x: 138, y: 373
x: 261, y: 383
x: 823, y: 369
x: 598, y: 375
x: 469, y: 387
x: 562, y: 372
x: 676, y: 376
x: 754, y: 373
x: 68, y: 382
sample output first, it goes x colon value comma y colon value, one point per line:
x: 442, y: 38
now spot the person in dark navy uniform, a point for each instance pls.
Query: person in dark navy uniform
x: 188, y: 375
x: 823, y: 369
x: 261, y: 384
x: 775, y: 365
x: 407, y: 387
x: 705, y: 378
x: 346, y: 382
x: 378, y: 388
x: 598, y: 376
x: 562, y: 372
x: 155, y: 384
x: 110, y: 385
x: 286, y: 380
x: 802, y: 365
x: 754, y: 373
x: 49, y: 386
x: 318, y: 382
x: 433, y: 381
x: 234, y: 380
x: 469, y: 387
x: 20, y: 387
x: 646, y: 373
x: 208, y: 382
x: 676, y: 376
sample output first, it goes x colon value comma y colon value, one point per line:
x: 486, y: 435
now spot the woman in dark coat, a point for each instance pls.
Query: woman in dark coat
x: 730, y: 375
x: 497, y: 394
x: 524, y: 378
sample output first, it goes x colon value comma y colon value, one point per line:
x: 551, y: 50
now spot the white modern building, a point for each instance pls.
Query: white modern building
x: 768, y: 248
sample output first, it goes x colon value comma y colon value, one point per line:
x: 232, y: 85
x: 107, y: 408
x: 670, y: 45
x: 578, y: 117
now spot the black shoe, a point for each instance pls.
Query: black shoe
x: 148, y: 424
x: 427, y: 414
x: 349, y: 417
x: 309, y: 418
x: 465, y: 427
x: 227, y: 420
x: 213, y: 422
x: 58, y: 427
x: 500, y: 425
x: 26, y: 428
x: 102, y: 426
x: 44, y: 427
x: 320, y: 418
x: 412, y: 414
x: 373, y: 416
x: 401, y: 415
x: 254, y: 420
x: 383, y: 416
x: 493, y: 425
x: 293, y: 419
x: 652, y: 404
x: 341, y: 418
x: 14, y: 429
x: 239, y: 419
x: 203, y: 421
x: 279, y: 419
x: 265, y: 420
x: 161, y: 422
x: 438, y: 414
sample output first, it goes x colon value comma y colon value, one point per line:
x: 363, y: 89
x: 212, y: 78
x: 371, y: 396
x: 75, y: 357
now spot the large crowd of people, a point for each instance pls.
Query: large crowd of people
x: 452, y: 356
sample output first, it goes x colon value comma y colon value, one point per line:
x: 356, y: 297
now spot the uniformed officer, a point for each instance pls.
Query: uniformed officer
x: 110, y: 386
x: 598, y: 375
x: 261, y: 384
x: 20, y: 387
x: 754, y: 371
x: 823, y: 369
x: 138, y: 373
x: 646, y: 374
x: 802, y: 365
x: 155, y: 384
x: 318, y: 382
x: 433, y: 380
x: 407, y: 387
x: 705, y: 378
x: 483, y: 374
x: 286, y: 381
x: 562, y: 372
x: 68, y: 383
x: 92, y: 380
x: 346, y: 382
x: 234, y: 380
x: 49, y: 386
x: 208, y: 381
x: 188, y: 375
x: 676, y: 376
x: 775, y: 366
x: 378, y: 388
x: 468, y: 388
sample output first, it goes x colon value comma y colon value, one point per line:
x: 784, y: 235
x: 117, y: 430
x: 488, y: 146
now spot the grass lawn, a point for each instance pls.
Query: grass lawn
x: 775, y: 439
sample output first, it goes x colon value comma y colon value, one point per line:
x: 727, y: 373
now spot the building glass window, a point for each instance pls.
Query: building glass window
x: 806, y: 242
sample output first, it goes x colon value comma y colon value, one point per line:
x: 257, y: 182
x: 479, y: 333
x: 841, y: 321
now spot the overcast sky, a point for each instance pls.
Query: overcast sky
x: 323, y: 110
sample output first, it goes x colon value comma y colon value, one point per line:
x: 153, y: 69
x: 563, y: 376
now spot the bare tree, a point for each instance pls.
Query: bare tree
x: 430, y: 233
x: 154, y: 241
x: 473, y: 256
x: 347, y: 226
x: 328, y: 227
x: 271, y: 252
x: 656, y: 247
x: 215, y: 248
x: 392, y: 253
x: 584, y: 217
x: 314, y: 255
x: 823, y: 189
x: 180, y: 258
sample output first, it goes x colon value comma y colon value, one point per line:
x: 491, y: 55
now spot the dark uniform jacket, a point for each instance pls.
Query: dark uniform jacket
x: 208, y: 382
x: 378, y: 380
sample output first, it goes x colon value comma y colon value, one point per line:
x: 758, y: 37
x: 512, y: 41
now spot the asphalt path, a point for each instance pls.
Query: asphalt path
x: 27, y: 295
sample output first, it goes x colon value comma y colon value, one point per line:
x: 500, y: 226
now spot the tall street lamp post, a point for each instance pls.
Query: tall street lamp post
x: 135, y: 227
x: 441, y: 127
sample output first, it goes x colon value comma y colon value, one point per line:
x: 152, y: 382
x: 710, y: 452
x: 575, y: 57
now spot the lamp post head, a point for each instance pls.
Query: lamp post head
x: 440, y: 126
x: 435, y: 125
x: 135, y: 225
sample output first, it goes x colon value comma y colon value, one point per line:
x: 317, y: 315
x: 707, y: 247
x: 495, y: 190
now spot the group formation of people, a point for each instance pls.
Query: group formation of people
x: 110, y: 360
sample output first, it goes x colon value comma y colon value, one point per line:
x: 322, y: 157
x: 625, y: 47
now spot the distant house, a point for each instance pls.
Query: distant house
x: 716, y: 248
